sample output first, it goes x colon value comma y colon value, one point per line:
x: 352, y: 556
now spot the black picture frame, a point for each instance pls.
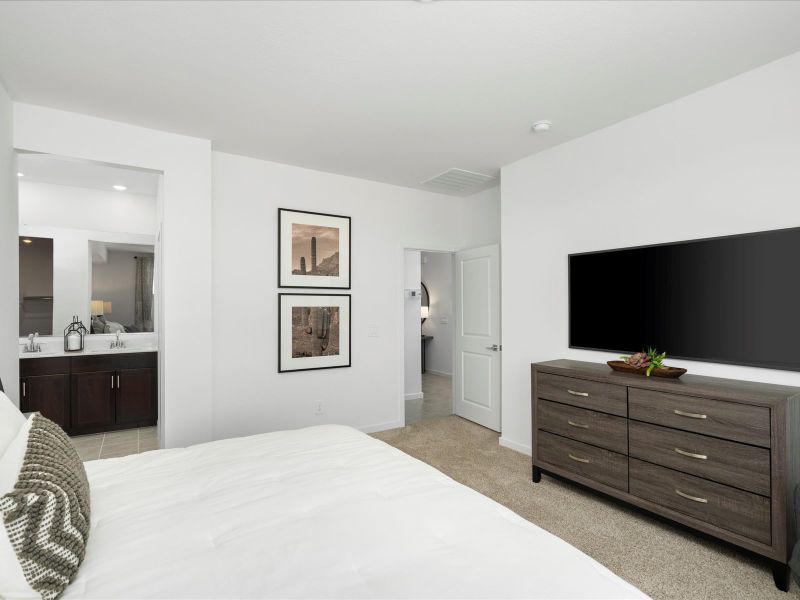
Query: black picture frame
x: 285, y: 273
x: 342, y: 330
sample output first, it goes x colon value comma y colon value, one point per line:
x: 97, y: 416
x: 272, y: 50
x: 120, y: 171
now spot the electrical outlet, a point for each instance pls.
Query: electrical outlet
x: 319, y: 408
x: 373, y: 331
x: 444, y: 320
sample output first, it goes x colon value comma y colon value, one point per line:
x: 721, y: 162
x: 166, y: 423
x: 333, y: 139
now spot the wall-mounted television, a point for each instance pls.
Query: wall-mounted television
x: 733, y: 299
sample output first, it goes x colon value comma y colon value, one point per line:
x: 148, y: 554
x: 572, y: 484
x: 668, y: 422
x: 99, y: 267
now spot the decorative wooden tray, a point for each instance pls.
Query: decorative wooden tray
x: 667, y: 372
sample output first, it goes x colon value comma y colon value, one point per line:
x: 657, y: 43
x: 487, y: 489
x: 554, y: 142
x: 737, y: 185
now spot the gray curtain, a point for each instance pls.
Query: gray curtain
x: 143, y: 309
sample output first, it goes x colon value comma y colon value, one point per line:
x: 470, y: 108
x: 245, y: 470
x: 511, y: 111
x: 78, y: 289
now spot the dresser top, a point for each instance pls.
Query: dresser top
x: 750, y: 392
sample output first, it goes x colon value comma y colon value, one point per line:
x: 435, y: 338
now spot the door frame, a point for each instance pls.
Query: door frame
x: 401, y: 338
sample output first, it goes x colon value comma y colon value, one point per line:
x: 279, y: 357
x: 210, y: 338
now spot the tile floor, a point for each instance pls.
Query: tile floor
x: 116, y: 443
x: 437, y: 402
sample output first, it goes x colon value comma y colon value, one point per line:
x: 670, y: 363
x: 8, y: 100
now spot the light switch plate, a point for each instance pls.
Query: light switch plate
x: 373, y: 331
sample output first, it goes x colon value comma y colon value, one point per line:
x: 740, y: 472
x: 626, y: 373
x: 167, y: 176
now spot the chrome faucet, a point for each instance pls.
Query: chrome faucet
x: 33, y: 343
x: 118, y: 343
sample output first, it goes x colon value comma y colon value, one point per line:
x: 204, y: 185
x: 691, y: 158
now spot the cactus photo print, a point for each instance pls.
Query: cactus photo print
x: 313, y: 250
x: 314, y: 331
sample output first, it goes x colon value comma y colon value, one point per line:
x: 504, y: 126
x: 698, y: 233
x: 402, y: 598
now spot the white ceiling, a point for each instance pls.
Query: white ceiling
x: 391, y: 91
x: 49, y: 168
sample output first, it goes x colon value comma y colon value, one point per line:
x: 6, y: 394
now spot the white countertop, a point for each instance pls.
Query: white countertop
x: 51, y: 353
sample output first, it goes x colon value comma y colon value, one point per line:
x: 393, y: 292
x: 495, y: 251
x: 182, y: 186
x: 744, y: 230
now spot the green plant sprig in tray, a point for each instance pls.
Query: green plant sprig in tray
x: 646, y: 360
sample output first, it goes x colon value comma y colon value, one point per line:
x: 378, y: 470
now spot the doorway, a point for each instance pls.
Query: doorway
x: 429, y: 336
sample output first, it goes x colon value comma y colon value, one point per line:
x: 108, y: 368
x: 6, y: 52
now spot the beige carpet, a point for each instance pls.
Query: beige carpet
x: 661, y: 560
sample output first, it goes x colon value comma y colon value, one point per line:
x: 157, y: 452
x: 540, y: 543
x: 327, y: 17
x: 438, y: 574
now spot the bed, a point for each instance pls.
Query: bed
x: 322, y: 512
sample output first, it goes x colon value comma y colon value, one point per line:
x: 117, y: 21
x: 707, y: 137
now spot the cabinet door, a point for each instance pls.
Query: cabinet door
x: 47, y: 394
x: 136, y: 397
x: 93, y: 401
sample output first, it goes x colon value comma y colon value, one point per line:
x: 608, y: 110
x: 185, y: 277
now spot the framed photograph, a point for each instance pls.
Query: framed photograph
x: 313, y: 331
x: 313, y: 250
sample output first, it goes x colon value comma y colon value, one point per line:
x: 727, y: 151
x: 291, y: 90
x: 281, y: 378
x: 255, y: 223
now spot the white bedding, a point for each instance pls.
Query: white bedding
x: 323, y: 512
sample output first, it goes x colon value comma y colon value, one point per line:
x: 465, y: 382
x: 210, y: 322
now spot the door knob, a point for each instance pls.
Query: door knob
x: 494, y: 348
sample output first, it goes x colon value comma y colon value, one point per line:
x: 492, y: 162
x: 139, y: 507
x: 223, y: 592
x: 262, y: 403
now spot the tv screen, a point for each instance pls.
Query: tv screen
x: 732, y: 299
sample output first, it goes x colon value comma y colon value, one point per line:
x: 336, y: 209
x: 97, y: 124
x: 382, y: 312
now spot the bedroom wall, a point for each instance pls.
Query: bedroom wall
x: 481, y: 217
x: 437, y: 274
x: 9, y: 249
x: 250, y: 396
x: 721, y: 161
x: 185, y: 221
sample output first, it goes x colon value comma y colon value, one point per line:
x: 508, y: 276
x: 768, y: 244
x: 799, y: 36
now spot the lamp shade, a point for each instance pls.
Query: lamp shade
x: 97, y: 307
x: 425, y: 312
x: 107, y: 307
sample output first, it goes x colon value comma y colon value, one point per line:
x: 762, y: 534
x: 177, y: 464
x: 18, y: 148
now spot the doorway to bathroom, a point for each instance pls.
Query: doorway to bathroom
x: 429, y: 339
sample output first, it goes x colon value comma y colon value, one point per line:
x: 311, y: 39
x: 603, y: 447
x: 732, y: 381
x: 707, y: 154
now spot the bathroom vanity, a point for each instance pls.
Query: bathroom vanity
x: 92, y: 391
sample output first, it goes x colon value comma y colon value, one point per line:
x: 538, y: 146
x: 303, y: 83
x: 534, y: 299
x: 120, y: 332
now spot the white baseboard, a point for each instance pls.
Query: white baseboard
x: 439, y: 373
x: 415, y: 396
x: 381, y: 427
x: 517, y: 447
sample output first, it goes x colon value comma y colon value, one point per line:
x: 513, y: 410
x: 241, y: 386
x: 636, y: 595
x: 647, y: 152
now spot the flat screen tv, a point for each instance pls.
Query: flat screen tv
x: 733, y: 299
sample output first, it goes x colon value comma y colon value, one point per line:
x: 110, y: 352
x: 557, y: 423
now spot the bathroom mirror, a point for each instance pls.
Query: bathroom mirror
x: 425, y: 302
x: 87, y: 245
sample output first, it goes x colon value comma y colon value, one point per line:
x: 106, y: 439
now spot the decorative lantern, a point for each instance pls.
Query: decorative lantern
x: 73, y: 336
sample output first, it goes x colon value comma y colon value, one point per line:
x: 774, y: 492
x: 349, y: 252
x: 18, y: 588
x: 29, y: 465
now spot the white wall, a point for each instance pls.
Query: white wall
x: 185, y: 219
x: 9, y: 253
x: 250, y: 396
x: 481, y: 217
x: 437, y: 275
x: 721, y: 161
x: 49, y: 205
x: 412, y: 330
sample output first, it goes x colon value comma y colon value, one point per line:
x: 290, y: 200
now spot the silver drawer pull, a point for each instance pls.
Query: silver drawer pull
x: 692, y: 498
x: 578, y: 458
x: 691, y: 454
x: 690, y: 415
x: 574, y: 424
x: 574, y: 393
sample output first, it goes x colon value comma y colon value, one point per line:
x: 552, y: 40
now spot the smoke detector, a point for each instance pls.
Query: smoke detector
x: 541, y: 126
x: 458, y: 182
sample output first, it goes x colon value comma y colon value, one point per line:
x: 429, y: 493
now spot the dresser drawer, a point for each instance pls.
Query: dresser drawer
x: 728, y: 508
x: 582, y: 459
x: 583, y: 425
x: 727, y: 420
x: 603, y: 397
x: 739, y: 465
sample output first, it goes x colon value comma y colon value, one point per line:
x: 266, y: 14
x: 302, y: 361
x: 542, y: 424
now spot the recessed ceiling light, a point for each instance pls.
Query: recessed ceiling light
x: 27, y: 241
x: 541, y: 126
x: 120, y: 188
x: 20, y: 174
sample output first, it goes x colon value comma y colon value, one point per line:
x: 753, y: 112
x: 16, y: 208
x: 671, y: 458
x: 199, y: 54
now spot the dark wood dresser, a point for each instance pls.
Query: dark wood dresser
x: 718, y: 455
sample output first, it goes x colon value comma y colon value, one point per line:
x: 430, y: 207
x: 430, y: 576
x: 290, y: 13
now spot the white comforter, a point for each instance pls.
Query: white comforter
x: 323, y: 512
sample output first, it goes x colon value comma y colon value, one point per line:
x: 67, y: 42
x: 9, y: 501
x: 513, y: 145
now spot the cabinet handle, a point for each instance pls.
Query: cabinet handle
x: 574, y: 393
x: 574, y: 424
x: 690, y: 415
x: 691, y: 454
x: 692, y: 498
x: 579, y: 459
x: 24, y: 390
x: 112, y: 381
x: 117, y: 381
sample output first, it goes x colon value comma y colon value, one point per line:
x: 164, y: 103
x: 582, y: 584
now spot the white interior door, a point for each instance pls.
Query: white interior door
x: 477, y: 360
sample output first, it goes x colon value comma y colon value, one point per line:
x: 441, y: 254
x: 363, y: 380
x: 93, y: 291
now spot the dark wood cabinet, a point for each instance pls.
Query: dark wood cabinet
x: 92, y: 403
x: 136, y: 397
x: 717, y: 455
x: 47, y: 394
x: 94, y: 393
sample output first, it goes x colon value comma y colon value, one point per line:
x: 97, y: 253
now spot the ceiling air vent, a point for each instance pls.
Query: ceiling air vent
x: 458, y: 181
